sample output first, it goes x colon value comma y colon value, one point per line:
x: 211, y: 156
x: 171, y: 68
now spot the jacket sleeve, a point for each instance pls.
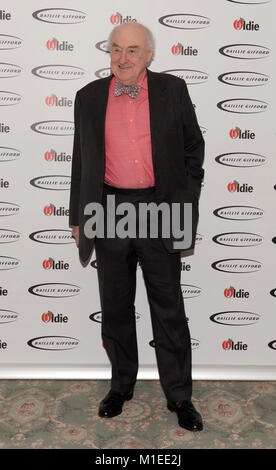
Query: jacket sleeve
x: 193, y: 141
x: 76, y: 168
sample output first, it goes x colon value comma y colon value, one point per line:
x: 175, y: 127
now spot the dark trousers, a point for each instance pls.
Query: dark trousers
x: 117, y: 263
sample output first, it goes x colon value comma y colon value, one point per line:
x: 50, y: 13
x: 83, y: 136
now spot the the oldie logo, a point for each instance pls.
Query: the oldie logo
x: 245, y: 51
x: 241, y: 24
x: 8, y: 98
x: 238, y: 239
x: 60, y: 15
x: 243, y: 106
x: 59, y: 72
x: 49, y: 317
x: 191, y: 77
x: 56, y: 45
x: 118, y: 18
x: 239, y: 212
x: 54, y: 289
x: 97, y: 316
x: 179, y: 49
x: 230, y: 345
x: 189, y: 291
x: 102, y: 46
x: 232, y: 293
x: 52, y: 182
x: 53, y: 236
x: 244, y: 79
x: 56, y: 101
x: 51, y: 209
x: 237, y: 133
x: 235, y: 318
x: 8, y: 316
x: 50, y: 263
x: 185, y: 21
x: 9, y: 42
x: 237, y: 265
x: 9, y: 236
x: 9, y: 70
x: 8, y: 208
x: 8, y: 154
x: 272, y: 344
x: 58, y: 128
x: 53, y: 343
x: 53, y: 156
x: 103, y: 73
x: 236, y: 187
x: 7, y: 262
x: 241, y: 159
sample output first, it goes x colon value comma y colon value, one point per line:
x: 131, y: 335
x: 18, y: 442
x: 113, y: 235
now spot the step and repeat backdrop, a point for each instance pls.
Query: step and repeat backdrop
x: 50, y: 315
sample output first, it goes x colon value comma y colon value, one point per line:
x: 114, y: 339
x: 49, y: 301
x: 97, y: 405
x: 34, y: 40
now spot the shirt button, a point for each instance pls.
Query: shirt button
x: 141, y: 181
x: 131, y: 120
x: 136, y: 161
x: 132, y: 140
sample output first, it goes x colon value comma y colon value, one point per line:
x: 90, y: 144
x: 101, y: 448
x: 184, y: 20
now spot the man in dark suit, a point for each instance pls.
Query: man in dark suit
x: 137, y: 140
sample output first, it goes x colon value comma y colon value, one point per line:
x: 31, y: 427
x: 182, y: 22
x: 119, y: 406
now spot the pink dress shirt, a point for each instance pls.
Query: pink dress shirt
x: 127, y: 139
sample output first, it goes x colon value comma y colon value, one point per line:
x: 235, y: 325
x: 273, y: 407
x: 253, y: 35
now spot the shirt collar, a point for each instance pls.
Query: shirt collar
x: 143, y: 80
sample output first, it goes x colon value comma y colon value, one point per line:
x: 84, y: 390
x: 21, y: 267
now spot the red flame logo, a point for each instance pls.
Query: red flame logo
x: 238, y: 24
x: 227, y: 344
x: 229, y: 292
x: 234, y: 133
x: 48, y: 210
x: 115, y: 19
x: 49, y: 156
x: 232, y: 187
x: 46, y: 317
x: 176, y: 49
x: 51, y: 44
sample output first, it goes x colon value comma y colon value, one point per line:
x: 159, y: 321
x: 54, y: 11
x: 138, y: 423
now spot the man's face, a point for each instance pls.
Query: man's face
x: 129, y: 53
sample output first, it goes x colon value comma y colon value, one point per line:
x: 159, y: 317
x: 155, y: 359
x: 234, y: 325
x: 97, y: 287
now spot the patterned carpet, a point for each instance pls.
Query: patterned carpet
x: 63, y: 414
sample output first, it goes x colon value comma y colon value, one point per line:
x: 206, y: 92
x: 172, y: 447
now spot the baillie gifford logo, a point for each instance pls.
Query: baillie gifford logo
x: 54, y: 100
x: 118, y: 18
x: 51, y: 209
x: 237, y: 133
x: 56, y: 45
x: 242, y: 25
x: 230, y: 345
x: 235, y: 186
x: 179, y: 49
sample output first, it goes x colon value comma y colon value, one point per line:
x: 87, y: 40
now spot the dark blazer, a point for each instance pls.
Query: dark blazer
x: 177, y: 148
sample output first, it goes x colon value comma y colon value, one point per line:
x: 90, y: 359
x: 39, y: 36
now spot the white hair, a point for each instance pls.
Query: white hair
x: 148, y: 33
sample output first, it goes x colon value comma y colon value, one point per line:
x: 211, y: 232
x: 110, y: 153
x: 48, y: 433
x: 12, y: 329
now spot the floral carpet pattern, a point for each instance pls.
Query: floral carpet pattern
x: 63, y: 414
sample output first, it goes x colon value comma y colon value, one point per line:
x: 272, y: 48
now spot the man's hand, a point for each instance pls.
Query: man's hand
x: 75, y: 233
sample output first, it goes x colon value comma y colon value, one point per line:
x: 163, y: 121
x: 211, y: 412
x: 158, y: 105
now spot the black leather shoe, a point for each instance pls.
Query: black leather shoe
x: 112, y: 404
x: 188, y: 417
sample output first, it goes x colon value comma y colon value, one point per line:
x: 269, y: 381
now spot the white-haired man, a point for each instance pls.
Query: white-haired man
x: 137, y: 139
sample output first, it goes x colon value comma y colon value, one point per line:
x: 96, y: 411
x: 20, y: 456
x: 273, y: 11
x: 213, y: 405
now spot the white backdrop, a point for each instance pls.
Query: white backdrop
x: 49, y: 304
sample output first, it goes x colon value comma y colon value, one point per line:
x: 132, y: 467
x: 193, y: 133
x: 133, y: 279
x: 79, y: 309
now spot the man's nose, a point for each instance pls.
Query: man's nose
x: 123, y: 57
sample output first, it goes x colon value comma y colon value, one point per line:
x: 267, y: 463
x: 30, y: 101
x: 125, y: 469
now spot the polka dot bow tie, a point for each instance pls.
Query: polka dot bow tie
x: 131, y: 90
